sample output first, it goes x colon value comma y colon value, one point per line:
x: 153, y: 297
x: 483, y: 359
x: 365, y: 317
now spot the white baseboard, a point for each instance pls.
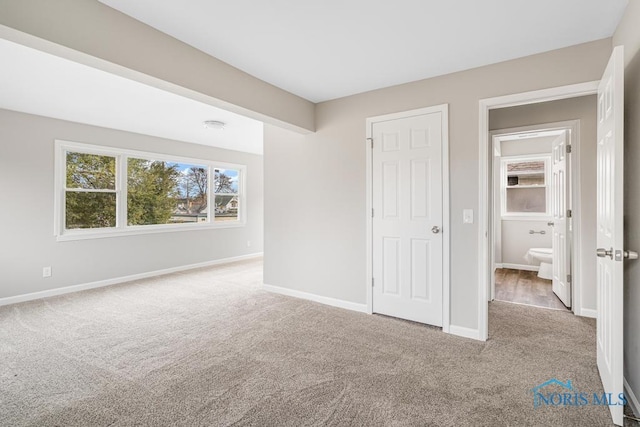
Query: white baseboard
x: 498, y: 265
x: 587, y: 312
x: 632, y: 400
x: 525, y: 267
x: 317, y: 298
x: 461, y: 331
x: 101, y: 283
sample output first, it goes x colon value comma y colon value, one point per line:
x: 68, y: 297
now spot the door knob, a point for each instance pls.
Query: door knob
x: 550, y: 223
x: 602, y: 252
x: 631, y: 254
x: 435, y: 229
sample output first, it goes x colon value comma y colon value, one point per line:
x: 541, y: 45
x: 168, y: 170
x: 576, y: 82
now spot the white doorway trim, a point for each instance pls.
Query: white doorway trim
x: 576, y: 206
x: 446, y: 231
x: 485, y: 105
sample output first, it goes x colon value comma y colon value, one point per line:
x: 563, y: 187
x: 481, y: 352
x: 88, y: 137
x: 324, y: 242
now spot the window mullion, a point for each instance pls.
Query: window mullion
x: 211, y: 197
x: 242, y: 195
x: 121, y: 186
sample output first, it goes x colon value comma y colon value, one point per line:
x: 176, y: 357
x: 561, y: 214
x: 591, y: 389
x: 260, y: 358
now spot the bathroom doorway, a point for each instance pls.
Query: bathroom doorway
x: 572, y: 107
x: 533, y: 214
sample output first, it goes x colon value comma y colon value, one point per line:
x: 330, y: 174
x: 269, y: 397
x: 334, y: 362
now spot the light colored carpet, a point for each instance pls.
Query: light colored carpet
x: 209, y: 348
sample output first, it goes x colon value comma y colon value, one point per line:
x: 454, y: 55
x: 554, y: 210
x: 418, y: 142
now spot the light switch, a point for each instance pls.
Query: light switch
x: 467, y: 216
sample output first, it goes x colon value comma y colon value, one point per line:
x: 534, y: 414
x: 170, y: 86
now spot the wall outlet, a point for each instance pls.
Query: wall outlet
x: 46, y: 271
x: 248, y: 243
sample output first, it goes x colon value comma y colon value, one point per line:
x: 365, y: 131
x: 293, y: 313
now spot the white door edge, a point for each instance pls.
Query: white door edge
x: 446, y: 234
x: 562, y: 221
x: 610, y: 230
x: 485, y: 105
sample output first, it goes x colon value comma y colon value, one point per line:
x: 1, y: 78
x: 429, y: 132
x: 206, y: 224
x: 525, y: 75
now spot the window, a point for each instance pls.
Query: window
x: 226, y: 193
x: 107, y: 191
x: 525, y: 186
x: 90, y: 191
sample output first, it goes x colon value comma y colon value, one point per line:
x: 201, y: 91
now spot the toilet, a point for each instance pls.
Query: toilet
x: 545, y: 257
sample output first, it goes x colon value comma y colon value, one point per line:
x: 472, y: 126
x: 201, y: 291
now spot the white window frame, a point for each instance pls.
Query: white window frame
x: 122, y: 229
x: 547, y: 186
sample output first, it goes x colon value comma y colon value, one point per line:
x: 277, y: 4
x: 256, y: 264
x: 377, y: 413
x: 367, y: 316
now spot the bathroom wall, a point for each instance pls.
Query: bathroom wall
x: 516, y: 241
x: 513, y: 232
x: 541, y: 145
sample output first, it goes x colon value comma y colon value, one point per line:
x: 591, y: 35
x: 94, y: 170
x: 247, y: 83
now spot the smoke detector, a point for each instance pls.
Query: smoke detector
x: 214, y: 124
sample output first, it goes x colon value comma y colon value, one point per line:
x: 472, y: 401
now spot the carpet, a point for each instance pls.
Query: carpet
x: 208, y: 347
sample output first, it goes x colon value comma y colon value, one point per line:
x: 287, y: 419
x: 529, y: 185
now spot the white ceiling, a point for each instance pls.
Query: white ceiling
x: 39, y: 83
x: 319, y: 50
x: 326, y: 49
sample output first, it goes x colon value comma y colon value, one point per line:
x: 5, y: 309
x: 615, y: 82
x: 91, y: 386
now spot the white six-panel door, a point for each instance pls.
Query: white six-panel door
x: 407, y: 218
x: 610, y: 230
x: 560, y: 203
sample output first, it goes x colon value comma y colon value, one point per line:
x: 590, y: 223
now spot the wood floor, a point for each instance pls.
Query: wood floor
x: 525, y: 287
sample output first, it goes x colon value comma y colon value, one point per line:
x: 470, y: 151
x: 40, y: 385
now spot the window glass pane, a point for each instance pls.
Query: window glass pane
x: 193, y: 189
x: 226, y: 181
x: 160, y: 192
x: 526, y: 200
x: 90, y: 171
x: 90, y: 210
x: 226, y: 207
x: 525, y: 173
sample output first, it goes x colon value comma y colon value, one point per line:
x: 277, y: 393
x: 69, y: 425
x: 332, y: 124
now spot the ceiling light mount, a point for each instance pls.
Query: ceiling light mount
x: 214, y: 124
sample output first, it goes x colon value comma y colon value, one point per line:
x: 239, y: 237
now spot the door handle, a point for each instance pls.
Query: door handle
x: 550, y: 223
x: 435, y: 229
x: 602, y: 252
x: 631, y: 254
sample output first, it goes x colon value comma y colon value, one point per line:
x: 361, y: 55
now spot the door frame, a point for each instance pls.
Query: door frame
x: 573, y: 185
x: 484, y: 217
x: 446, y: 232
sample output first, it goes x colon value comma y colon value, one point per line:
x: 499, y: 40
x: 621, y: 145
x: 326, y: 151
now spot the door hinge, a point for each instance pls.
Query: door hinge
x: 370, y: 139
x: 372, y: 282
x: 568, y: 213
x: 568, y: 278
x: 372, y: 213
x: 568, y: 149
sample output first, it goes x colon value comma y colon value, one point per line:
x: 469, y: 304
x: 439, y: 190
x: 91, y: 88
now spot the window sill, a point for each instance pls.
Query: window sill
x: 88, y: 234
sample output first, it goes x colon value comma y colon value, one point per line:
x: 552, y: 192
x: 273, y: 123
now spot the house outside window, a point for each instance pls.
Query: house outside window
x: 226, y: 194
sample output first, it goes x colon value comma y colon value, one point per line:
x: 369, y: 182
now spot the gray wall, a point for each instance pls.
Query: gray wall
x: 26, y: 214
x: 583, y: 109
x: 525, y: 146
x: 628, y: 34
x: 318, y: 245
x: 516, y: 240
x: 101, y: 37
